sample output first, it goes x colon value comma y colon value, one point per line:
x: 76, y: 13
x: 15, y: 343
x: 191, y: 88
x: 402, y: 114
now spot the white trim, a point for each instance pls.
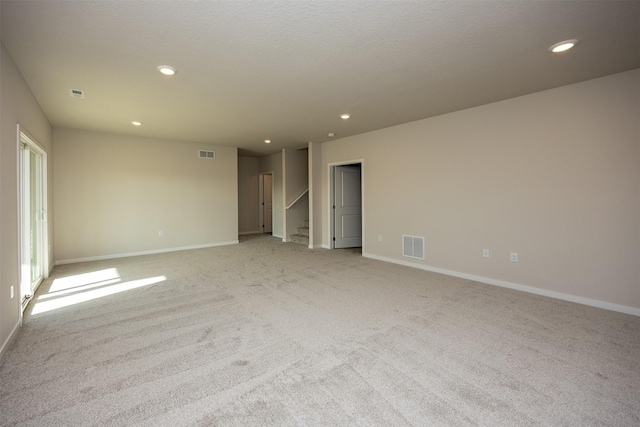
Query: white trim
x: 283, y: 169
x: 152, y: 252
x: 310, y: 217
x: 331, y: 198
x: 515, y: 286
x: 261, y: 199
x: 10, y: 338
x: 17, y: 294
x: 278, y: 236
x: 46, y: 267
x: 244, y: 233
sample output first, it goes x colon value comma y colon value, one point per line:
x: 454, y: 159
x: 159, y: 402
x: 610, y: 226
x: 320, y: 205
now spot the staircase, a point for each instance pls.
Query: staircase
x: 302, y: 236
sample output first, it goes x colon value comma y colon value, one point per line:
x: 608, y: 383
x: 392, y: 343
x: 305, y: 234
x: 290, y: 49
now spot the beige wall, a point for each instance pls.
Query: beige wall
x: 295, y: 181
x: 315, y: 195
x: 18, y: 106
x: 553, y: 176
x: 248, y: 220
x: 273, y: 163
x: 296, y: 173
x: 115, y: 193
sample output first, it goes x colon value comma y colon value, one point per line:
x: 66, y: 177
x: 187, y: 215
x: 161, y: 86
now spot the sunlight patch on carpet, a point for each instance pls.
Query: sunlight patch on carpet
x: 88, y: 295
x: 84, y: 279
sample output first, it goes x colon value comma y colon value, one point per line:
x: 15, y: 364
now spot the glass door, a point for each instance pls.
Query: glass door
x: 32, y: 217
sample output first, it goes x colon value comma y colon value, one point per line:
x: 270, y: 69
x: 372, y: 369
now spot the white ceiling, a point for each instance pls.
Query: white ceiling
x: 286, y: 70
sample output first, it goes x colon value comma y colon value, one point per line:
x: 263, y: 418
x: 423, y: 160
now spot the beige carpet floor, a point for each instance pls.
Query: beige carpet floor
x: 268, y: 333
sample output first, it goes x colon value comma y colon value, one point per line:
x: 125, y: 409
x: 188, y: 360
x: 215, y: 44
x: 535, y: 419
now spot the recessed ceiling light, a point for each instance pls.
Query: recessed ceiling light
x: 267, y: 141
x: 563, y: 46
x: 136, y: 123
x: 345, y: 116
x: 331, y: 134
x: 167, y: 70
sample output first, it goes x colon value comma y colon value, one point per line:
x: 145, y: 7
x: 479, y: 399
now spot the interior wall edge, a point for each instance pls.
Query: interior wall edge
x: 151, y: 252
x: 634, y: 311
x: 10, y: 338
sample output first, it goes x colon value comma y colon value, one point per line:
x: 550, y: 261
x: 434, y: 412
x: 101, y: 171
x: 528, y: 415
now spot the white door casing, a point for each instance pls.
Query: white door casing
x: 347, y: 207
x: 267, y: 203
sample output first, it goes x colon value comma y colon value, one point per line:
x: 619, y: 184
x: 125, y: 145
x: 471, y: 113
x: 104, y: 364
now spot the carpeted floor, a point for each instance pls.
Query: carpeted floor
x: 269, y: 333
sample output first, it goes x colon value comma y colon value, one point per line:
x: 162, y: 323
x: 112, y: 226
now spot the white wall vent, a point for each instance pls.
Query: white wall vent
x: 203, y: 154
x: 76, y: 93
x: 413, y: 247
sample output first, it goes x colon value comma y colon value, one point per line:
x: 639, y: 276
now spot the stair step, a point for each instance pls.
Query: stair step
x: 302, y: 236
x: 300, y: 239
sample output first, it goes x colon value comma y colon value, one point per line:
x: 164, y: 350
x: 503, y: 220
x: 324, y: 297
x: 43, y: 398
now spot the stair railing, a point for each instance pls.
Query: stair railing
x: 298, y: 198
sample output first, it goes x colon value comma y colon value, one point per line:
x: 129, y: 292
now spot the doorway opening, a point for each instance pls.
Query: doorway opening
x: 346, y: 218
x: 265, y: 195
x: 32, y: 190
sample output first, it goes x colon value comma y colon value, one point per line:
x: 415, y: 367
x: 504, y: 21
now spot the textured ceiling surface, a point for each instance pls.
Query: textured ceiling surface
x: 285, y: 71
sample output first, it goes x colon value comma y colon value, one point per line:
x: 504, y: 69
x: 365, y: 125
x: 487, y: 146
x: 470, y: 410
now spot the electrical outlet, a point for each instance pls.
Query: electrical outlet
x: 379, y: 237
x: 485, y: 253
x: 160, y: 233
x: 11, y: 292
x: 514, y: 257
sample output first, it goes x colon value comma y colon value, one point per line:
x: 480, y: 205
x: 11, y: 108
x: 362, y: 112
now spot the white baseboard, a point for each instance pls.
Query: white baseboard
x: 151, y: 252
x: 524, y: 288
x: 244, y: 233
x: 10, y: 338
x: 278, y: 236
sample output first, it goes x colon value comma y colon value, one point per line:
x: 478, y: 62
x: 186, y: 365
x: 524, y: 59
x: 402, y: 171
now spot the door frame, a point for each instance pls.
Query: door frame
x: 44, y: 241
x: 332, y: 197
x: 261, y: 200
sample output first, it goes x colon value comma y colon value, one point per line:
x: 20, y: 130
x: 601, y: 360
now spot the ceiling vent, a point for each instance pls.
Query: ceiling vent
x: 76, y: 93
x: 413, y: 247
x: 203, y: 154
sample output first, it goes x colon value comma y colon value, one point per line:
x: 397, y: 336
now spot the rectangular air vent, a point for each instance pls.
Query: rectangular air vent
x: 76, y: 93
x: 413, y: 247
x: 203, y: 154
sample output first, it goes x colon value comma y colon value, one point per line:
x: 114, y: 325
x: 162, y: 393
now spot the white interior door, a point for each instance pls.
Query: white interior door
x: 32, y: 217
x: 347, y: 207
x: 267, y: 203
